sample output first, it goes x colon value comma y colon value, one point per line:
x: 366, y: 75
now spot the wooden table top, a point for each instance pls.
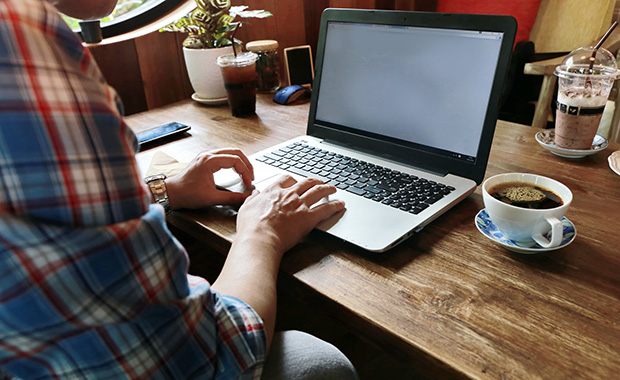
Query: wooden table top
x: 448, y: 298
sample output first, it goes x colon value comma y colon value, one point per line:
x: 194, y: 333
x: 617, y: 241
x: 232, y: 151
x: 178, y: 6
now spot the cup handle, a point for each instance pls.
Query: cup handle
x: 557, y: 233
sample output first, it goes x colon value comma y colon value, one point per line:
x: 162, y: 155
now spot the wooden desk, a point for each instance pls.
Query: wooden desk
x: 452, y: 301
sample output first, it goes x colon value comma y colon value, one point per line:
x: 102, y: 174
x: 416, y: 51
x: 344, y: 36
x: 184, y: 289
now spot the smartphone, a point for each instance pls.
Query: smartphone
x: 166, y: 130
x: 299, y: 67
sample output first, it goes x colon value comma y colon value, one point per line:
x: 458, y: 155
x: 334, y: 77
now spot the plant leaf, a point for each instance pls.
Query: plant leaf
x: 234, y: 11
x: 209, y: 23
x: 200, y: 15
x: 202, y: 4
x: 218, y: 5
x: 256, y: 14
x: 183, y: 24
x: 194, y: 42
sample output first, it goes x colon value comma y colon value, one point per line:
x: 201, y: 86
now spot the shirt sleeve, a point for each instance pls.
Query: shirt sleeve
x: 116, y: 302
x: 92, y: 283
x: 241, y: 334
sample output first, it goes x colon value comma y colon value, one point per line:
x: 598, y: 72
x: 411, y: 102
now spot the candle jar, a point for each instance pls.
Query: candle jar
x: 267, y: 65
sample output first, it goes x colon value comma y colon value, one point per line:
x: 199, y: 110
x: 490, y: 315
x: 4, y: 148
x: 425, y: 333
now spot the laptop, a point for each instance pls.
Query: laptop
x: 408, y: 95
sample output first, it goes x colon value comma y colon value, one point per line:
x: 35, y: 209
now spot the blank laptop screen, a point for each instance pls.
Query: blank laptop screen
x: 425, y: 87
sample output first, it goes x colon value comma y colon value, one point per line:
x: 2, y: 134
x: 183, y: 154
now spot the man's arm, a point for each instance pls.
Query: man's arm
x: 268, y: 224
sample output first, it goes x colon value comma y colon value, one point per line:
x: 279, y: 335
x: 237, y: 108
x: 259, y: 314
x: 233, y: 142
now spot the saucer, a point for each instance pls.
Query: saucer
x: 614, y: 161
x: 211, y: 102
x: 546, y: 139
x: 488, y: 229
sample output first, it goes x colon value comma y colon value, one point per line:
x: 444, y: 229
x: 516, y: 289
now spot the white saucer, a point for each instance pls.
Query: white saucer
x: 614, y: 161
x: 211, y: 102
x: 488, y: 229
x: 546, y: 139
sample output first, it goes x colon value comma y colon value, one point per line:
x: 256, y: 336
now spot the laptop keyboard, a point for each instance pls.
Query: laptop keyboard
x: 397, y: 189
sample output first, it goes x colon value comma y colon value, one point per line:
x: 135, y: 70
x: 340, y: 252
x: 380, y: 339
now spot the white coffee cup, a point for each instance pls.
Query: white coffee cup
x: 526, y: 225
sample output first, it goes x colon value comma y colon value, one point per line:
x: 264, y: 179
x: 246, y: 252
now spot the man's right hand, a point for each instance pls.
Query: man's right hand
x: 286, y: 211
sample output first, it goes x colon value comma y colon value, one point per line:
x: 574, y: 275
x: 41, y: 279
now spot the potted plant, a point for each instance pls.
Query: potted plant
x: 209, y: 28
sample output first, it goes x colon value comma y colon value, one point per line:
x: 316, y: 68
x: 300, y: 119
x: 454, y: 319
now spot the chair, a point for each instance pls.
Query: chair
x: 546, y: 29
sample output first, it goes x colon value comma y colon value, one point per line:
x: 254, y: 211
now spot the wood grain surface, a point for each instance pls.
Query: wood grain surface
x: 448, y: 299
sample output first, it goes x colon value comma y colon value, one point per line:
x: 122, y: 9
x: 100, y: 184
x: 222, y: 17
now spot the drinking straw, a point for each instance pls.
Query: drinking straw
x: 598, y: 45
x: 233, y: 39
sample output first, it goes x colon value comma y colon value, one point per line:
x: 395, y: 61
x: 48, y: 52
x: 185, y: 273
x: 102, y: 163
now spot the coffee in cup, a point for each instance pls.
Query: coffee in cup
x: 585, y: 79
x: 525, y: 195
x: 239, y: 74
x: 526, y: 207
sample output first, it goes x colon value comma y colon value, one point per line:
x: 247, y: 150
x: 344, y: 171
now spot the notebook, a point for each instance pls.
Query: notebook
x: 410, y: 95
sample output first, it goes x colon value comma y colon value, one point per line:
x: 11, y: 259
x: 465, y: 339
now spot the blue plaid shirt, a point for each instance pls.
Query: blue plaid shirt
x: 92, y: 283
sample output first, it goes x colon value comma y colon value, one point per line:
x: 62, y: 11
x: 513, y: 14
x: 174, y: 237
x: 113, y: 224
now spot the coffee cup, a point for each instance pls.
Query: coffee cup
x: 527, y: 208
x: 585, y: 79
x: 239, y: 73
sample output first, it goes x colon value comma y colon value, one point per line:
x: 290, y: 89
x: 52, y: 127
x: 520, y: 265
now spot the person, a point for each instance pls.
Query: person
x: 92, y: 283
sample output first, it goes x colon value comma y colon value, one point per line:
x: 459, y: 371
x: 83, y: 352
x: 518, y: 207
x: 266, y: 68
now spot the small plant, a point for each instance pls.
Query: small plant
x: 210, y: 23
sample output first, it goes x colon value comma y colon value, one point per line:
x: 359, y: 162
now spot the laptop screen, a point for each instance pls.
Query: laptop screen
x: 426, y: 88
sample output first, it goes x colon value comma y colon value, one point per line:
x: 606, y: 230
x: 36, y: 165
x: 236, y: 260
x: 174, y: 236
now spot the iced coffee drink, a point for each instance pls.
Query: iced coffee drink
x: 239, y: 73
x: 577, y: 118
x: 585, y: 79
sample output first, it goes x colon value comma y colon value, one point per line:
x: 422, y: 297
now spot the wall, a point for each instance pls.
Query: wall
x: 149, y: 71
x: 564, y: 25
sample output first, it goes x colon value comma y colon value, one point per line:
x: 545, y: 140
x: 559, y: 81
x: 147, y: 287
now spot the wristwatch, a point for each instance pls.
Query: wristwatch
x: 158, y: 188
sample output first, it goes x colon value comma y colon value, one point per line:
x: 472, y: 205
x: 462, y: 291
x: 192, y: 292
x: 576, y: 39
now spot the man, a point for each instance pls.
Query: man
x: 92, y: 283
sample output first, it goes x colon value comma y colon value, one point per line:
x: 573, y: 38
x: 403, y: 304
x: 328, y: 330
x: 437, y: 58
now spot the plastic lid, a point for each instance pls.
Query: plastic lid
x: 262, y: 45
x: 242, y: 59
x: 578, y: 63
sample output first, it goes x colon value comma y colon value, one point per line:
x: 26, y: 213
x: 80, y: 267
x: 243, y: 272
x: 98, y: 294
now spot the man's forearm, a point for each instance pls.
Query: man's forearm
x: 250, y: 274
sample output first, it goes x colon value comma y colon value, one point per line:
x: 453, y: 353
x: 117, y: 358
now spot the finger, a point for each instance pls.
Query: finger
x: 325, y: 210
x: 228, y: 198
x: 238, y: 153
x: 306, y: 184
x: 284, y: 181
x: 247, y: 177
x: 318, y: 192
x: 225, y: 161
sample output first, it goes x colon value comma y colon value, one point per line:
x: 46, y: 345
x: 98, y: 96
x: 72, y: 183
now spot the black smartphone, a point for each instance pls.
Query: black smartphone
x: 166, y: 130
x: 299, y: 67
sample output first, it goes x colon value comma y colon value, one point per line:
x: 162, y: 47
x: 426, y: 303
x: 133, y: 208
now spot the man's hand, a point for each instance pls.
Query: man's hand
x: 285, y: 211
x: 194, y: 187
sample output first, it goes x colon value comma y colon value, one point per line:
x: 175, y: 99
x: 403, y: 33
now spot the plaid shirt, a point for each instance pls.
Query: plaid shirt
x: 92, y: 283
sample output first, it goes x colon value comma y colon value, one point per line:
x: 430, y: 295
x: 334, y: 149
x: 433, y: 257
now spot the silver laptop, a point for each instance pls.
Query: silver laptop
x: 403, y: 110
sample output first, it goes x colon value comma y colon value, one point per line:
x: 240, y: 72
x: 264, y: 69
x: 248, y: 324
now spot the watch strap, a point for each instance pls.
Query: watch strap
x: 157, y: 185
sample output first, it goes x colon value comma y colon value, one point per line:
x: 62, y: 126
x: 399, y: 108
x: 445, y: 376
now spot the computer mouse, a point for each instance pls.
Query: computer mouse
x: 289, y: 94
x: 226, y: 178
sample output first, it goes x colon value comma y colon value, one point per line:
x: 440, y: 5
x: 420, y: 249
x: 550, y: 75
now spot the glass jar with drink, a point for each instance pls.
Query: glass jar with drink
x: 267, y: 64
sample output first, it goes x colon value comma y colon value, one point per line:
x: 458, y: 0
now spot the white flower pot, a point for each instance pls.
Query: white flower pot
x: 204, y: 73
